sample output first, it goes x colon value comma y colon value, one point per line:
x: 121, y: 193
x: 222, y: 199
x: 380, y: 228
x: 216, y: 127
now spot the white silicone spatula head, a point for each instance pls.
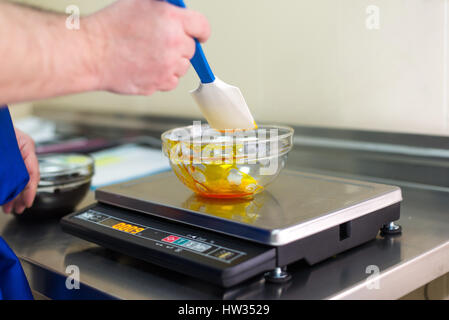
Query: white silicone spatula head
x: 222, y: 105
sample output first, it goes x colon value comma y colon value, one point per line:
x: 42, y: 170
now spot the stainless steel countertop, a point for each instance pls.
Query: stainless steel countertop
x: 405, y: 262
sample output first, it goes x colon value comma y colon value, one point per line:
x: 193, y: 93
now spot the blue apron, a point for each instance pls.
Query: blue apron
x: 13, y: 173
x: 13, y: 179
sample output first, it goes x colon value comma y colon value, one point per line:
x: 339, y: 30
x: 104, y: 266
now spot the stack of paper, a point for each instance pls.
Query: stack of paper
x: 127, y: 162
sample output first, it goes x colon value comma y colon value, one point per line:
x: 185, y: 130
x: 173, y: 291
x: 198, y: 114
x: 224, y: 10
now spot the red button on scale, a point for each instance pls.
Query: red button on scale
x: 170, y: 238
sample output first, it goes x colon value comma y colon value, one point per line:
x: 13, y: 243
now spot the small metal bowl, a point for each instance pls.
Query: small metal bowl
x: 227, y: 164
x: 65, y: 181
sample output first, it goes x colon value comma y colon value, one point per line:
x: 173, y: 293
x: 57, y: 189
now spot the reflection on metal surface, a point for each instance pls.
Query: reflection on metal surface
x: 52, y: 285
x: 244, y: 210
x: 159, y: 283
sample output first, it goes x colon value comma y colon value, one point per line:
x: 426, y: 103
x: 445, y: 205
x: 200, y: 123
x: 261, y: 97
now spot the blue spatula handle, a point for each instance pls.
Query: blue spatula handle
x: 199, y: 61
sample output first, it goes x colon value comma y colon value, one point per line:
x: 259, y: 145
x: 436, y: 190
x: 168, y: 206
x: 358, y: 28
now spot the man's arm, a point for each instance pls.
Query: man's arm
x: 130, y: 47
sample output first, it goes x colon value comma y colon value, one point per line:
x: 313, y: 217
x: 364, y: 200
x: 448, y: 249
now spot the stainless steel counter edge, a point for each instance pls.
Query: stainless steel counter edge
x: 397, y: 281
x: 48, y: 282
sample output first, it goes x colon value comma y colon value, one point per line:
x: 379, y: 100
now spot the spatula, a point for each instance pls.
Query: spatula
x: 223, y: 105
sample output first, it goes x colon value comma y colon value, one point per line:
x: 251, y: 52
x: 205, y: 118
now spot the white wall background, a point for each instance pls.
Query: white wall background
x: 313, y: 63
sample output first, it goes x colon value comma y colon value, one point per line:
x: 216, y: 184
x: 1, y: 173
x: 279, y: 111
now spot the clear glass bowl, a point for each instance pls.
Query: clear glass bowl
x: 227, y: 164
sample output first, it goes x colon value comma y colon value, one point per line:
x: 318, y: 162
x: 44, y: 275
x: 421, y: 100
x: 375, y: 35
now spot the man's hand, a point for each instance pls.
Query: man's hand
x: 145, y: 45
x: 26, y: 197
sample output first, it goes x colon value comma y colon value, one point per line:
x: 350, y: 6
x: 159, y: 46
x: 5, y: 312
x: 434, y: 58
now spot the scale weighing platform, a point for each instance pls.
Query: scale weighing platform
x: 227, y: 241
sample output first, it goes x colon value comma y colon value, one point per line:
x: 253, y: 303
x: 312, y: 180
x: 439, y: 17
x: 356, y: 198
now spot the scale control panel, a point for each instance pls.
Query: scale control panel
x: 215, y: 257
x: 175, y: 242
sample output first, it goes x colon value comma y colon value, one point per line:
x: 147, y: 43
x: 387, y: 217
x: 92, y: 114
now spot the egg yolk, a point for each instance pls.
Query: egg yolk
x: 218, y: 177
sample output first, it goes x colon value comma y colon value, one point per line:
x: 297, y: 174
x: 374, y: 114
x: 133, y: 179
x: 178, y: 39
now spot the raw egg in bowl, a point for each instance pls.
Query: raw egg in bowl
x: 230, y: 163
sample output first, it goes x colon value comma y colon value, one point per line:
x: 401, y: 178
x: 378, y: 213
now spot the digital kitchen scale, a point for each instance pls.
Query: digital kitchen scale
x: 226, y: 241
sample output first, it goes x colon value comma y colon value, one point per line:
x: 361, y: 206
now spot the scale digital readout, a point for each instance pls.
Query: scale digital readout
x: 300, y: 216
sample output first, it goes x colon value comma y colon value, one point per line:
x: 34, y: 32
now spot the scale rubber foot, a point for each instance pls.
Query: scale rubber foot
x: 391, y: 229
x: 278, y: 275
